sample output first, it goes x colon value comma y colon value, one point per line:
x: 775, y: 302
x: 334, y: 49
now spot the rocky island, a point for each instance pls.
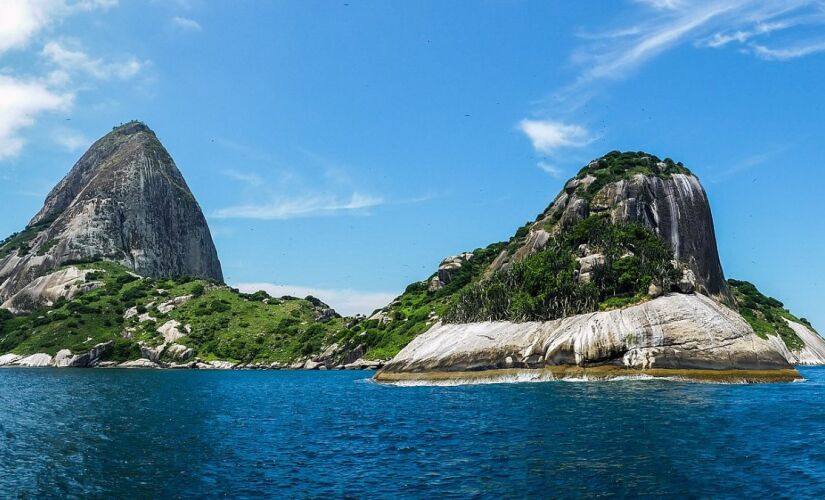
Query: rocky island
x: 619, y: 276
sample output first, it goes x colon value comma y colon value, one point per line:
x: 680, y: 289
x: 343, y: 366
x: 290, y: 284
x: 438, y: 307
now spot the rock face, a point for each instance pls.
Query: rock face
x: 813, y: 353
x: 676, y: 207
x: 45, y: 290
x: 673, y: 332
x: 123, y: 201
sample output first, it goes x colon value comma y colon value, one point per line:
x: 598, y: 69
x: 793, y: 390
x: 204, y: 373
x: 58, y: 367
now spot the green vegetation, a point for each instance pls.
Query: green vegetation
x: 225, y: 324
x: 617, y: 165
x: 765, y: 314
x: 19, y: 242
x: 546, y: 285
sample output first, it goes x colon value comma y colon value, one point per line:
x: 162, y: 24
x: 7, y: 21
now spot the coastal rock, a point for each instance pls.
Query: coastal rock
x: 124, y: 201
x: 39, y: 360
x: 9, y: 359
x: 153, y: 354
x: 814, y: 351
x: 363, y: 364
x: 139, y: 363
x: 65, y: 359
x: 222, y: 365
x: 674, y: 331
x: 179, y: 352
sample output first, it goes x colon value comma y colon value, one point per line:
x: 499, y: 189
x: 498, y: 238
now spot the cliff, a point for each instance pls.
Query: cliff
x: 124, y: 201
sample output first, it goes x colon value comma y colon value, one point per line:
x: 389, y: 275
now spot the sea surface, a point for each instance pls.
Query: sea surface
x: 136, y: 433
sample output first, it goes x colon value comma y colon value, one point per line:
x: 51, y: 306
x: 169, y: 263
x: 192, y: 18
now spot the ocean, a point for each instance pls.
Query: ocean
x: 168, y: 434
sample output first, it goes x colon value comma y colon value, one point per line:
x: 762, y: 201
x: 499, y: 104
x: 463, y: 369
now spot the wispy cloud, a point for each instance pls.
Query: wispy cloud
x: 548, y: 135
x: 551, y: 169
x: 783, y: 54
x: 69, y: 60
x: 654, y: 27
x: 345, y: 301
x: 249, y: 178
x: 186, y: 24
x: 321, y: 187
x: 71, y: 140
x: 309, y: 206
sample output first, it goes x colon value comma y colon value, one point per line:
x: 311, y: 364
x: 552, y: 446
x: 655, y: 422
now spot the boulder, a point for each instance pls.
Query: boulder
x: 171, y: 331
x: 9, y: 359
x: 179, y: 352
x: 312, y: 365
x: 65, y: 358
x: 687, y: 283
x: 39, y: 360
x: 170, y: 305
x: 139, y: 363
x: 222, y: 365
x: 447, y: 270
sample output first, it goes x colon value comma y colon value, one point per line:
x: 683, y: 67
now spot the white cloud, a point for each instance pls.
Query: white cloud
x: 309, y: 206
x: 20, y: 103
x: 71, y: 140
x: 548, y: 135
x: 20, y: 20
x: 553, y: 170
x: 68, y: 60
x: 186, y: 24
x: 345, y: 301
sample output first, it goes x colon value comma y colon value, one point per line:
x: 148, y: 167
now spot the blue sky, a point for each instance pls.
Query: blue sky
x: 344, y: 147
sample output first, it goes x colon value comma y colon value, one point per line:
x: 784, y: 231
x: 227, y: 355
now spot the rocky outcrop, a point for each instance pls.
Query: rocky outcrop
x: 45, y: 290
x: 676, y: 332
x: 139, y: 363
x: 676, y: 207
x: 124, y: 201
x: 447, y: 270
x: 812, y: 353
x: 91, y: 358
x: 39, y: 360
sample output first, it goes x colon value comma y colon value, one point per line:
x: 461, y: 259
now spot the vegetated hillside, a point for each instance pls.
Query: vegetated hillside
x: 216, y: 321
x: 765, y: 314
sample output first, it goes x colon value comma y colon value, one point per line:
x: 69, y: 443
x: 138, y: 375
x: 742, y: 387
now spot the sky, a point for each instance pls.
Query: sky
x: 343, y: 148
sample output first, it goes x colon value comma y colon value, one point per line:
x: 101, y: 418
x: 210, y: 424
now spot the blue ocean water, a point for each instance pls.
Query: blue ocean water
x: 313, y: 434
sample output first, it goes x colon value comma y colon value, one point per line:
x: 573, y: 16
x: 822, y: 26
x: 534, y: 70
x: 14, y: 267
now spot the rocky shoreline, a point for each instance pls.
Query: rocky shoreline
x: 94, y: 359
x: 593, y: 373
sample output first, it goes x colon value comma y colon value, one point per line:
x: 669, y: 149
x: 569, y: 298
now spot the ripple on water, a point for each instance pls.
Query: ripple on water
x: 251, y: 434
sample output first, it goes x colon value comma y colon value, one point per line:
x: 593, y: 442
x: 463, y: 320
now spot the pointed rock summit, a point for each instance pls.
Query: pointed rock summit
x: 124, y: 201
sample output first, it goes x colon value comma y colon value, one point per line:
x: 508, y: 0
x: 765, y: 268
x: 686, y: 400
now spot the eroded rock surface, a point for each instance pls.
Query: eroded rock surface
x: 674, y: 331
